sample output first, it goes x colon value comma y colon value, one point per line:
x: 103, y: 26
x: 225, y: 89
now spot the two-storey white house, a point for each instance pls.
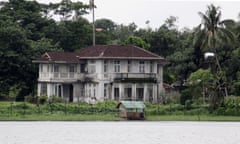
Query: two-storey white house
x: 102, y: 72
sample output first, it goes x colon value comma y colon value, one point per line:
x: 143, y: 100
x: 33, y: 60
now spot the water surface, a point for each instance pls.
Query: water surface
x: 119, y: 132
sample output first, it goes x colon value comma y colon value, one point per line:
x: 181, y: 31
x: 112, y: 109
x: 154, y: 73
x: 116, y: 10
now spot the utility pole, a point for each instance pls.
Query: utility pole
x: 91, y: 2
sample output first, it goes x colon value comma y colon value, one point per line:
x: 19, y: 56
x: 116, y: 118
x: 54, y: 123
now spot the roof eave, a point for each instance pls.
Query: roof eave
x: 138, y: 58
x: 39, y: 61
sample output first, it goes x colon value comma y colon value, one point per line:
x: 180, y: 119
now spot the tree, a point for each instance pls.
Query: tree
x: 69, y: 10
x: 201, y: 77
x: 122, y: 32
x: 24, y: 36
x: 212, y: 32
x: 137, y: 41
x: 105, y: 24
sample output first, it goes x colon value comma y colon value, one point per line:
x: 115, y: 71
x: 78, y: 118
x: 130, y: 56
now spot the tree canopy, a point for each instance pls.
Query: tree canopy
x: 28, y: 29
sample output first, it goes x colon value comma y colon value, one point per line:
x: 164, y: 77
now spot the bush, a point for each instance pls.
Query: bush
x: 30, y: 99
x: 185, y: 95
x: 55, y: 99
x: 188, y: 104
x: 42, y: 99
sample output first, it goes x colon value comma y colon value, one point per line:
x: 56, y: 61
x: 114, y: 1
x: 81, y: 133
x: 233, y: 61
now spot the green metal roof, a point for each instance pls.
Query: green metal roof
x: 132, y: 104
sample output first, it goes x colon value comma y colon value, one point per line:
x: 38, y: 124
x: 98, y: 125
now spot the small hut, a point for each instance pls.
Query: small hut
x: 133, y: 110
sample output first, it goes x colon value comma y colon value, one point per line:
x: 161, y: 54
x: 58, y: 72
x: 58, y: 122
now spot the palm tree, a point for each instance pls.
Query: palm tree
x: 212, y: 32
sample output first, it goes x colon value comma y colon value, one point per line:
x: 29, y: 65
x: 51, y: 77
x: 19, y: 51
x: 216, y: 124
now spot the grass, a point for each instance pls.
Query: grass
x: 107, y: 117
x: 60, y: 117
x: 192, y: 118
x: 20, y: 111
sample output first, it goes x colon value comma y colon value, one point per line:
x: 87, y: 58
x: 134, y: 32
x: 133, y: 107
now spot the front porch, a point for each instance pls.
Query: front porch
x: 69, y: 92
x: 134, y: 92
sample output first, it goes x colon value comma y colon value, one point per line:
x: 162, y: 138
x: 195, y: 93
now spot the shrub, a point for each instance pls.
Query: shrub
x: 29, y: 99
x: 55, y: 99
x: 42, y: 99
x: 185, y: 95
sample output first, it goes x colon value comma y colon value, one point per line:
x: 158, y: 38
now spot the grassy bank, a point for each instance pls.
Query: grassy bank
x: 107, y: 117
x: 60, y: 117
x: 104, y: 111
x: 193, y: 118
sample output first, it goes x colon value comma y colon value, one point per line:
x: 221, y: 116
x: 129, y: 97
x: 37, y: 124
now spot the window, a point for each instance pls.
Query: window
x: 82, y: 91
x: 47, y: 68
x: 151, y: 67
x: 105, y: 67
x: 116, y: 94
x: 140, y: 93
x: 129, y: 66
x: 141, y: 67
x: 105, y: 91
x: 91, y: 66
x: 56, y: 68
x: 94, y: 90
x: 82, y: 68
x: 72, y: 68
x: 128, y: 93
x: 41, y: 68
x: 158, y: 71
x: 43, y: 89
x: 117, y: 66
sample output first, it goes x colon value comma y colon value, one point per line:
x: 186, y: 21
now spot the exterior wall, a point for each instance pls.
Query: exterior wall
x: 102, y: 80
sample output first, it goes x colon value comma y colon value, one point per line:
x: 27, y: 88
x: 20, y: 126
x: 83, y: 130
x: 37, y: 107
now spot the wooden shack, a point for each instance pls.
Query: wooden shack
x: 133, y: 110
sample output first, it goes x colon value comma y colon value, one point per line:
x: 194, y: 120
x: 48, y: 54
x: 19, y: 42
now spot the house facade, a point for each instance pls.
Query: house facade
x: 102, y: 72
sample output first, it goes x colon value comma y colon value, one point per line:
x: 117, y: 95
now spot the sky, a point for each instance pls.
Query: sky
x: 157, y: 11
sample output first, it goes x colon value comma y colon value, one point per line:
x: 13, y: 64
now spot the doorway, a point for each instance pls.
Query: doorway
x: 71, y: 93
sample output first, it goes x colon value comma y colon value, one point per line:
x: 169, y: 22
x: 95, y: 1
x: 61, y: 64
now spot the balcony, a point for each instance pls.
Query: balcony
x: 69, y: 76
x: 135, y: 77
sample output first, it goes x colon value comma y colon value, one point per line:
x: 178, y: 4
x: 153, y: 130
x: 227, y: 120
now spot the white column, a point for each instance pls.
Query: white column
x: 145, y: 90
x: 155, y: 93
x: 62, y: 95
x: 112, y: 91
x: 39, y: 89
x: 48, y: 89
x: 134, y: 97
x: 100, y: 91
x: 121, y: 91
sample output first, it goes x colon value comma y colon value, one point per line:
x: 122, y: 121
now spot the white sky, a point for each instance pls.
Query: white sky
x: 157, y: 11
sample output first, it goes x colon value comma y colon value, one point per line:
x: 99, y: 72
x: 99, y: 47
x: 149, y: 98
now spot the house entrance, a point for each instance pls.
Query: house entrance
x: 128, y: 94
x: 140, y: 93
x: 71, y: 93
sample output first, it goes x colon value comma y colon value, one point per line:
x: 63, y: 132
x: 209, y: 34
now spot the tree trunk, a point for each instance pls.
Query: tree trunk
x: 220, y: 69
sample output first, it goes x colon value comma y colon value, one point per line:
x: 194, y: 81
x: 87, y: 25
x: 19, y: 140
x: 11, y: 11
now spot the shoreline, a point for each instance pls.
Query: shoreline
x: 112, y: 118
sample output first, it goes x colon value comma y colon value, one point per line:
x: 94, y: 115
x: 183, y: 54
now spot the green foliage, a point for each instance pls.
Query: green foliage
x: 42, y: 99
x: 137, y: 41
x: 105, y: 24
x: 200, y: 76
x: 14, y: 91
x: 55, y: 99
x: 185, y: 95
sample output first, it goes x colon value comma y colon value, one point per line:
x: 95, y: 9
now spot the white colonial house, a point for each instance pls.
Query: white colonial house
x: 102, y: 72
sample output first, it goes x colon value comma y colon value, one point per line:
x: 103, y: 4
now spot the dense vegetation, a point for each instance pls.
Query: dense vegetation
x: 56, y: 110
x: 28, y: 29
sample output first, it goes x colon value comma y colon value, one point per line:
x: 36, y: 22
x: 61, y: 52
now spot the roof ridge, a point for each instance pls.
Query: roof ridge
x: 103, y: 52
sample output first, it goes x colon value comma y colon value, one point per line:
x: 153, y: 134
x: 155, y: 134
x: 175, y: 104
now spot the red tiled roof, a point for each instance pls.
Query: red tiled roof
x: 59, y: 56
x: 116, y: 51
x: 100, y: 52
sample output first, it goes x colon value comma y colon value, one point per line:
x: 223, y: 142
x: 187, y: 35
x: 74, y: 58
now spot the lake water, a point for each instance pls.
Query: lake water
x: 119, y: 132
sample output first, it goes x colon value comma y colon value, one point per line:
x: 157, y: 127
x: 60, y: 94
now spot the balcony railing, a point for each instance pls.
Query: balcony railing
x: 134, y: 75
x: 57, y: 75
